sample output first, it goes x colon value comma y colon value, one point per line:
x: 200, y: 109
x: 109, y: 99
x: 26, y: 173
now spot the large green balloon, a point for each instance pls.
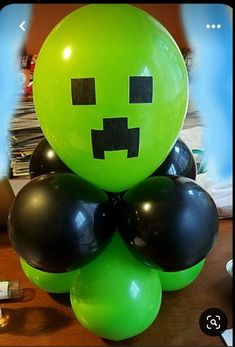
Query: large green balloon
x: 116, y: 296
x: 171, y: 281
x: 50, y: 282
x: 111, y: 92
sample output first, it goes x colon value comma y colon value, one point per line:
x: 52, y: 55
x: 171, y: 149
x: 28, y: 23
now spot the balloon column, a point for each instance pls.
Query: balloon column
x: 111, y: 106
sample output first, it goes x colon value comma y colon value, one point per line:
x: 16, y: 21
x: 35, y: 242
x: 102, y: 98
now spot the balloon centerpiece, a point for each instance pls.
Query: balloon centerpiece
x: 111, y: 105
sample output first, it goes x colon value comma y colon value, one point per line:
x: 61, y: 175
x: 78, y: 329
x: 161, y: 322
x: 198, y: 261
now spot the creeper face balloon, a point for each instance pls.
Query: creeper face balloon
x: 111, y: 93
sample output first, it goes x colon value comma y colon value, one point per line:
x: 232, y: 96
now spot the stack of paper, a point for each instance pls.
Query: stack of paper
x: 25, y: 134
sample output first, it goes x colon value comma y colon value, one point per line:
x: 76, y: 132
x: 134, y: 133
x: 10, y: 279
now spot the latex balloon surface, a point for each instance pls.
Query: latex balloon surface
x: 171, y: 281
x: 180, y: 162
x: 45, y: 160
x: 116, y: 296
x: 60, y: 221
x: 170, y: 221
x: 111, y: 92
x: 57, y: 283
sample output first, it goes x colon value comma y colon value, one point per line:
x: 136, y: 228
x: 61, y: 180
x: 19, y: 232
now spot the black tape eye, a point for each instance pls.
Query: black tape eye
x: 83, y: 91
x: 141, y: 89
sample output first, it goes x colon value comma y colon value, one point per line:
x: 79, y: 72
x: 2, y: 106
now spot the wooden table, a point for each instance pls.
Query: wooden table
x: 43, y: 319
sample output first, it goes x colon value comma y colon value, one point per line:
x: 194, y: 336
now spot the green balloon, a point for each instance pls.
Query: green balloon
x: 171, y: 281
x: 111, y: 93
x: 50, y: 282
x: 116, y: 296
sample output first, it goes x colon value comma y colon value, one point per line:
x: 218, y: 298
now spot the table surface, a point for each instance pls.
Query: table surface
x: 43, y: 319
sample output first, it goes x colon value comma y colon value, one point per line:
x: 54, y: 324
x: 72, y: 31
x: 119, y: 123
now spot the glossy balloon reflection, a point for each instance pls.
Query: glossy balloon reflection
x: 171, y: 281
x: 59, y: 221
x: 116, y: 296
x: 45, y: 160
x: 50, y: 282
x: 180, y: 162
x: 170, y: 221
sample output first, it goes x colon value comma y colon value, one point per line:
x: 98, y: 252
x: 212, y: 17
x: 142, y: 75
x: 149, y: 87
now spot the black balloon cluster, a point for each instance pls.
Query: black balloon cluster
x: 59, y: 221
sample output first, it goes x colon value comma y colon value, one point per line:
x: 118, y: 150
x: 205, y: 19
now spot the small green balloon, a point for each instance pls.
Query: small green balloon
x: 116, y: 296
x: 171, y: 281
x: 111, y: 93
x: 50, y: 282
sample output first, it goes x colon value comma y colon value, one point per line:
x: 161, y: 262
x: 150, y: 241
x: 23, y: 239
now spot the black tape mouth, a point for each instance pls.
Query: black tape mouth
x: 115, y: 136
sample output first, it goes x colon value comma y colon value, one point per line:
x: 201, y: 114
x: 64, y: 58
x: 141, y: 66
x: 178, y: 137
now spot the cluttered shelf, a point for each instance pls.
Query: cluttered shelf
x: 40, y: 318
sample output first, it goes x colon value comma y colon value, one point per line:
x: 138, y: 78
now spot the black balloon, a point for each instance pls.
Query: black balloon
x: 59, y: 222
x: 169, y: 221
x: 45, y: 160
x: 180, y: 162
x: 114, y: 198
